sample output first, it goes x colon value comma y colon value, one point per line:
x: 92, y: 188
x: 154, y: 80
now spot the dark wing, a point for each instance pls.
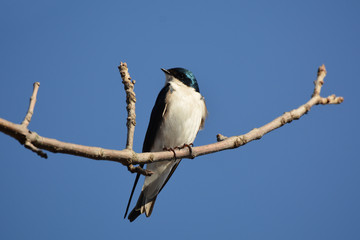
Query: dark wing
x: 155, y: 119
x: 154, y: 125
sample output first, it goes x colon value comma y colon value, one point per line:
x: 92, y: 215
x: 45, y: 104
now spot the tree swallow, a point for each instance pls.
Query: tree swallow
x: 177, y: 116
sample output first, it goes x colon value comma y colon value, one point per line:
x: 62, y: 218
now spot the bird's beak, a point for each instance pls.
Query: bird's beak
x: 165, y: 71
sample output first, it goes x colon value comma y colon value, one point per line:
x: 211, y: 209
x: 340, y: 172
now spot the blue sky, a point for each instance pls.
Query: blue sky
x: 253, y: 60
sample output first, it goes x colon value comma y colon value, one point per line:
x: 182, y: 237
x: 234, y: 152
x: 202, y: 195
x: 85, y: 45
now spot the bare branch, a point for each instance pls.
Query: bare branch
x: 22, y: 134
x: 128, y: 157
x: 30, y: 111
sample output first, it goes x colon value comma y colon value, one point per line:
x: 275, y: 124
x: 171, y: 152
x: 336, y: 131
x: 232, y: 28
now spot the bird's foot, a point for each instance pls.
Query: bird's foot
x: 171, y: 149
x: 189, y: 146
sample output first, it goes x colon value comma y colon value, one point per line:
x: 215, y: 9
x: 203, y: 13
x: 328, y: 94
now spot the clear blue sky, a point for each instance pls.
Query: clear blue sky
x: 253, y: 60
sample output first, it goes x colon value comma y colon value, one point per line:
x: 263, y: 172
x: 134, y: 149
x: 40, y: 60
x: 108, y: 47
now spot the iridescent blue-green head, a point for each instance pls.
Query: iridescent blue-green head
x: 183, y: 75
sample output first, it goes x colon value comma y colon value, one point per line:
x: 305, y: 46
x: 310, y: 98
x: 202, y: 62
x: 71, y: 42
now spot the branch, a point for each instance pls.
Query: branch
x: 128, y: 157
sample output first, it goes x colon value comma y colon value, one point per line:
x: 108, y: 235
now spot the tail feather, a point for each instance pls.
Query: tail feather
x: 149, y: 207
x: 132, y: 191
x: 152, y: 187
x: 134, y: 214
x: 142, y: 205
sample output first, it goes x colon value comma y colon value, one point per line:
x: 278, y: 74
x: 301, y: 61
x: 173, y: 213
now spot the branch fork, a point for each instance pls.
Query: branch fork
x: 24, y: 140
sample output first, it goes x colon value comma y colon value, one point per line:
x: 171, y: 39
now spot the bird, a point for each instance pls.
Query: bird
x: 177, y: 116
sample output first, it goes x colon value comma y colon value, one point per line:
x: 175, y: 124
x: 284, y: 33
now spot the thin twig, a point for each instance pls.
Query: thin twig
x: 139, y: 169
x: 332, y: 99
x: 131, y: 118
x: 30, y: 111
x: 130, y: 101
x: 36, y: 150
x: 319, y: 80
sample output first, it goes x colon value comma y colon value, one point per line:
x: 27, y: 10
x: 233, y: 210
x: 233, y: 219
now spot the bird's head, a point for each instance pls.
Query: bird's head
x: 183, y: 75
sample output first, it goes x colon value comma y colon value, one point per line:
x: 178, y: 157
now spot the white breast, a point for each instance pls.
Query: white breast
x: 184, y: 112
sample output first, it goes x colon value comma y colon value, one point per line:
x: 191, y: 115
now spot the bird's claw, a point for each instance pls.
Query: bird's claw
x: 189, y: 146
x: 171, y: 149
